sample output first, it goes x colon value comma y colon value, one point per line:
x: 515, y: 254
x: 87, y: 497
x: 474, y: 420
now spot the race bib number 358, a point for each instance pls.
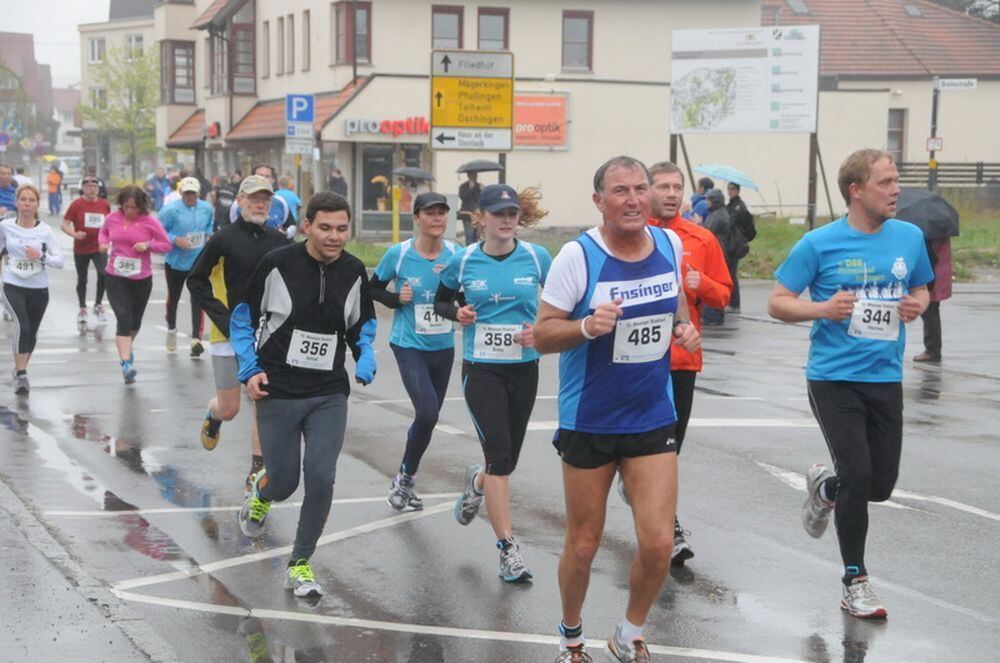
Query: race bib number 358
x: 643, y: 339
x: 311, y: 350
x: 497, y: 342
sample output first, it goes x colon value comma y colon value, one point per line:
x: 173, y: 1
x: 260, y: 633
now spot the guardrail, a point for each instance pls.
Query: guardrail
x: 975, y: 173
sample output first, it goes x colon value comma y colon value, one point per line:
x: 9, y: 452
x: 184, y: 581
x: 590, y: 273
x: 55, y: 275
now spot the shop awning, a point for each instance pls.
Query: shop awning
x: 266, y: 120
x: 191, y: 133
x: 217, y: 13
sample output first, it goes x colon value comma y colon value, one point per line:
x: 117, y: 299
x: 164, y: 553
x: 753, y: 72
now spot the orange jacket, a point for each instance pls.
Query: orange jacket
x: 702, y: 253
x: 53, y: 180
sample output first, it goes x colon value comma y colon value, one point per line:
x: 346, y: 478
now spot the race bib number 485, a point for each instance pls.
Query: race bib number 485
x: 643, y: 339
x: 497, y: 342
x: 311, y: 350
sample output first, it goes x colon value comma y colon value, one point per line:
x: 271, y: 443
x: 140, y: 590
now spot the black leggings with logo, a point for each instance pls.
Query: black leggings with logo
x: 26, y: 307
x: 500, y: 398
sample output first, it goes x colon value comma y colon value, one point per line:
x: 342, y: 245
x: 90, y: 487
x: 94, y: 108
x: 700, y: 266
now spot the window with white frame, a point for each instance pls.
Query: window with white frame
x: 98, y: 98
x: 177, y: 72
x: 446, y: 26
x: 290, y: 44
x: 279, y: 47
x: 133, y: 45
x: 306, y: 41
x: 97, y: 50
x: 265, y: 49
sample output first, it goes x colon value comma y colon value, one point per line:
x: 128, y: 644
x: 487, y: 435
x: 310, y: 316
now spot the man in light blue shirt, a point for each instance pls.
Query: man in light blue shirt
x: 188, y: 223
x: 867, y: 275
x: 289, y: 196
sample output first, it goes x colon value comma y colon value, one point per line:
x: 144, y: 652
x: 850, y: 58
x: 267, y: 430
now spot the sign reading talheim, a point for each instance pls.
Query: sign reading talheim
x: 472, y: 100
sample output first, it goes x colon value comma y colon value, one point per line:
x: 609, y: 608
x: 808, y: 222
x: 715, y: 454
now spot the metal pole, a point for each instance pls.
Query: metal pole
x: 354, y: 36
x: 932, y: 163
x: 687, y: 161
x: 826, y: 185
x: 811, y: 209
x: 673, y: 148
x: 502, y: 160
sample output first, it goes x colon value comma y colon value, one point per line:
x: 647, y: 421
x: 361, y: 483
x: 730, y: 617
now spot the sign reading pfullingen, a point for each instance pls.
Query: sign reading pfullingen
x: 472, y: 100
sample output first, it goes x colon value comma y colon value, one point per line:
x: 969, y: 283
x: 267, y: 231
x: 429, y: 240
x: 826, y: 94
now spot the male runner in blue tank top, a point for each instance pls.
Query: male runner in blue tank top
x: 612, y: 305
x: 866, y: 273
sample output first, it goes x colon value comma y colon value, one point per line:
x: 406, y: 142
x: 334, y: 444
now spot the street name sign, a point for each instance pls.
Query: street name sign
x: 957, y: 83
x: 472, y: 100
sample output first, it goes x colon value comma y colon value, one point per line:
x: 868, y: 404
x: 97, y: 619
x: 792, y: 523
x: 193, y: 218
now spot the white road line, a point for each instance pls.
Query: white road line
x: 798, y: 482
x: 278, y: 552
x: 422, y: 629
x: 392, y: 401
x: 65, y: 513
x: 451, y: 430
x: 696, y: 422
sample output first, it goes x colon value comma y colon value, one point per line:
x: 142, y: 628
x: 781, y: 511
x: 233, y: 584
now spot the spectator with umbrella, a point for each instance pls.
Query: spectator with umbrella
x: 469, y: 192
x: 939, y: 222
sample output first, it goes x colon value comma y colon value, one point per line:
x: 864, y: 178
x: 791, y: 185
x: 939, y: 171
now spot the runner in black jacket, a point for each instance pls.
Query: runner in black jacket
x: 307, y: 303
x: 217, y: 283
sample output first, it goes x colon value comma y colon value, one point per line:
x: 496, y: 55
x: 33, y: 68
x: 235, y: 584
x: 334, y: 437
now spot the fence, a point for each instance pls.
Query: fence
x: 975, y: 173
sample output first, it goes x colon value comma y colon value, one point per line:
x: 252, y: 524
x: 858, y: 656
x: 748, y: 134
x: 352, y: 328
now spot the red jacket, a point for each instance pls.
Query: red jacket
x: 703, y: 253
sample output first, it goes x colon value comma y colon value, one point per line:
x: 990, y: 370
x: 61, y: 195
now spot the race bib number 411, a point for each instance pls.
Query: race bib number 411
x: 643, y: 339
x: 427, y: 321
x: 311, y: 350
x: 876, y: 319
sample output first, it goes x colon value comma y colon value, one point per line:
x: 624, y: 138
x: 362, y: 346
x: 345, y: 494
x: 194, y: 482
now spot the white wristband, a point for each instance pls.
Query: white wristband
x: 583, y: 329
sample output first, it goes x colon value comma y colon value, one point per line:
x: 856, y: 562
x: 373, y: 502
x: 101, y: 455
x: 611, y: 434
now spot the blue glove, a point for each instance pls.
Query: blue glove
x: 364, y: 372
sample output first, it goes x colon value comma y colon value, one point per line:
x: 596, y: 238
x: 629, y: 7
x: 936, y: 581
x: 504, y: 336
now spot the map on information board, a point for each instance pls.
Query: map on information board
x: 744, y: 80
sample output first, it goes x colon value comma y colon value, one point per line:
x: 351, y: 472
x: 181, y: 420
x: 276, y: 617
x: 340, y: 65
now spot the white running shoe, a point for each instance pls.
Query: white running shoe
x: 816, y: 510
x: 861, y: 601
x: 467, y: 505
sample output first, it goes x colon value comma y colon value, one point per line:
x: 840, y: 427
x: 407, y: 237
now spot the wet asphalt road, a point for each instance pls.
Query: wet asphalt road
x: 120, y: 541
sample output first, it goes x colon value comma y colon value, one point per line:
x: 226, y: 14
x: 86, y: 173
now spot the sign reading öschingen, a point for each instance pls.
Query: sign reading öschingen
x: 744, y: 80
x: 472, y: 100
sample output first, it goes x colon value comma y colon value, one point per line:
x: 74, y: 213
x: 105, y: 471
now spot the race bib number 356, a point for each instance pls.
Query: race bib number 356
x: 643, y: 339
x: 311, y: 350
x: 875, y: 319
x: 497, y: 342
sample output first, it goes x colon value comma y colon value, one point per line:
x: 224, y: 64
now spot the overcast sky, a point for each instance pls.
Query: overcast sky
x: 53, y: 22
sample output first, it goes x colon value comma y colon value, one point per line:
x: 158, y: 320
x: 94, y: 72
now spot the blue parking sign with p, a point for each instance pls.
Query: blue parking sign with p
x: 299, y: 108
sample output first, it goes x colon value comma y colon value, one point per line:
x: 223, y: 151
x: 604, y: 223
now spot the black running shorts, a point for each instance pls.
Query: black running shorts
x: 591, y: 450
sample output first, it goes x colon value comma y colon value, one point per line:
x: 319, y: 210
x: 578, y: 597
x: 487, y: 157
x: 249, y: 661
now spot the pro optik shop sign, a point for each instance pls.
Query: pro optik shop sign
x: 389, y: 127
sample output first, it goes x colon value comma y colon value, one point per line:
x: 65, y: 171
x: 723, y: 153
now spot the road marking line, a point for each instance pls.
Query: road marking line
x: 735, y: 422
x: 65, y: 513
x: 798, y: 482
x: 278, y: 552
x: 423, y: 629
x: 444, y: 428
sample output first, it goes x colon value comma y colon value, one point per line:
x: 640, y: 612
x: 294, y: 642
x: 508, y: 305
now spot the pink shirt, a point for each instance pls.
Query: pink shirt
x: 123, y: 260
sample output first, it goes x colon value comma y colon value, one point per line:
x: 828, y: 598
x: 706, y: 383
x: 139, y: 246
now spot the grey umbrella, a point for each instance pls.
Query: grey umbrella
x: 413, y: 173
x: 928, y: 211
x: 479, y: 166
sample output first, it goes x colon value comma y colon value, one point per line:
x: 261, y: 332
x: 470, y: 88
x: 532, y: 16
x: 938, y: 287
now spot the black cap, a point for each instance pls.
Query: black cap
x: 498, y: 197
x: 429, y: 199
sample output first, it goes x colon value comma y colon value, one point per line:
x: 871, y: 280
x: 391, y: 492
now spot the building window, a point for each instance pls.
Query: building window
x: 207, y: 58
x: 98, y: 98
x: 243, y: 45
x: 97, y: 50
x: 446, y: 26
x: 358, y: 41
x: 265, y: 50
x: 306, y: 41
x: 177, y: 72
x: 220, y: 65
x: 290, y: 44
x: 896, y: 139
x: 279, y: 48
x: 493, y: 28
x: 133, y: 44
x: 578, y: 40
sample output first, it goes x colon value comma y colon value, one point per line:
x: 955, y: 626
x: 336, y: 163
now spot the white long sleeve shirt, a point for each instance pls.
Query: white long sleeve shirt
x: 21, y: 270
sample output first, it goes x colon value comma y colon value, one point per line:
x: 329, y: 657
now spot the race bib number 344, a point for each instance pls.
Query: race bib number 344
x: 497, y: 342
x: 311, y: 350
x: 876, y: 319
x: 643, y: 339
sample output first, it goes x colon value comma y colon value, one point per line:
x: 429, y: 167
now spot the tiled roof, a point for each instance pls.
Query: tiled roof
x: 880, y: 38
x: 191, y: 132
x: 209, y: 14
x: 267, y: 118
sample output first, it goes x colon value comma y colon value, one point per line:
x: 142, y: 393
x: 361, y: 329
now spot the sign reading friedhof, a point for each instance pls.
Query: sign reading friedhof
x: 472, y: 100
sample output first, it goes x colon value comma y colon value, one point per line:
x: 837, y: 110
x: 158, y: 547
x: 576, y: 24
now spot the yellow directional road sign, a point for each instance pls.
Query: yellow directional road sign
x: 472, y: 100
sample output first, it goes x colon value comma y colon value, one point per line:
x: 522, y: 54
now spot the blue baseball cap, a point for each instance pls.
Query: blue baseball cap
x: 498, y: 197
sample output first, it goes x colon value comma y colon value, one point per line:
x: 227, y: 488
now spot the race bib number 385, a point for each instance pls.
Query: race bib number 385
x: 311, y: 350
x: 643, y: 339
x: 497, y: 342
x: 875, y: 319
x: 127, y: 266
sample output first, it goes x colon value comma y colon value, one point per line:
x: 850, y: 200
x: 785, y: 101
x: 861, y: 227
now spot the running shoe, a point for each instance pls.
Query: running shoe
x: 816, y: 510
x: 6, y: 315
x: 81, y: 321
x: 21, y: 386
x: 634, y: 652
x: 861, y: 601
x: 299, y: 578
x: 682, y: 551
x: 196, y: 347
x: 622, y: 493
x: 211, y: 431
x: 467, y: 505
x: 253, y: 513
x: 401, y: 495
x: 171, y: 340
x: 102, y: 315
x: 128, y: 371
x: 574, y: 654
x: 512, y: 567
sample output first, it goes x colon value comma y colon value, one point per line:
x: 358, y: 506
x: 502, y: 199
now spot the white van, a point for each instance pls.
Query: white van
x: 71, y: 168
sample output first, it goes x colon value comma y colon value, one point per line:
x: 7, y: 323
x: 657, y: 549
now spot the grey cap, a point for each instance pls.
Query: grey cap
x: 429, y: 199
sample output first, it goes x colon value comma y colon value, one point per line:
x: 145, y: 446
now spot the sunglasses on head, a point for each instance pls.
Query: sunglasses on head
x: 91, y: 182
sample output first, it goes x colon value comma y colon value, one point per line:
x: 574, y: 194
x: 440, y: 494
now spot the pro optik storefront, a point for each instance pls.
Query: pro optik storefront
x: 382, y: 129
